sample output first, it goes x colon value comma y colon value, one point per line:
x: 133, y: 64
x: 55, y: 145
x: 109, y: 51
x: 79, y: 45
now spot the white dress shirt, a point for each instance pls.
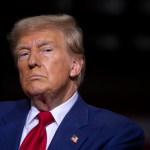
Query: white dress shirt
x: 58, y: 113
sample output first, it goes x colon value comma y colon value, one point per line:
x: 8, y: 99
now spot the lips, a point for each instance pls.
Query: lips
x: 35, y: 77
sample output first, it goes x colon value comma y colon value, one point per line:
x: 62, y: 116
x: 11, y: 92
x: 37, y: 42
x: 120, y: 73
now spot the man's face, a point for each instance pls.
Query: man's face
x: 43, y: 62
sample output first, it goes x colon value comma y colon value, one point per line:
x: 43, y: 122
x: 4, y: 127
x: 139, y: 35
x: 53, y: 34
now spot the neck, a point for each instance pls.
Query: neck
x: 47, y: 102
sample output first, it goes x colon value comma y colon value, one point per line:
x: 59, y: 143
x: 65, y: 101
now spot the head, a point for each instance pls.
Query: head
x: 26, y: 38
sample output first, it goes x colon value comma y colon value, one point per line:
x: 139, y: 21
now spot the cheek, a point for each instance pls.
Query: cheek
x: 22, y: 72
x: 58, y: 68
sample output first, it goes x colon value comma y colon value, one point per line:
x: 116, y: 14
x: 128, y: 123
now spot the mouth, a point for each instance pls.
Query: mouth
x: 35, y: 77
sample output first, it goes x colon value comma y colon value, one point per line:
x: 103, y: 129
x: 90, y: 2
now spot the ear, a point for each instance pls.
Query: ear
x: 76, y: 67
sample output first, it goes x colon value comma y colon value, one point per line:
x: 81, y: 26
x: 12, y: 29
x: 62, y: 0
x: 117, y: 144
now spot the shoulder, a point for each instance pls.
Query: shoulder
x: 115, y: 131
x: 9, y: 105
x: 109, y: 119
x: 104, y: 116
x: 116, y: 128
x: 12, y: 103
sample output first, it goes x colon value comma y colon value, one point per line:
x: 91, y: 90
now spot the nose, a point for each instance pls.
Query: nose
x: 33, y: 60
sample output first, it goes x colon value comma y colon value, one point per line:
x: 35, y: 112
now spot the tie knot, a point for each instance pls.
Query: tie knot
x: 45, y: 117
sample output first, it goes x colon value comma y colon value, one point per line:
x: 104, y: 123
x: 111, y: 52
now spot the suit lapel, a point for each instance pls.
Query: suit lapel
x: 12, y: 125
x: 70, y: 133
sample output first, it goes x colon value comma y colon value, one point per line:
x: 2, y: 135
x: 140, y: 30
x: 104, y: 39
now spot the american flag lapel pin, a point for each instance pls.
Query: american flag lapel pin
x: 74, y: 138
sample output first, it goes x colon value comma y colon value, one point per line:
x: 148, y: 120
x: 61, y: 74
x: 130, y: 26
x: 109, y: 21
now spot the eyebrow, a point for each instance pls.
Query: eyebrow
x: 39, y: 43
x: 22, y: 46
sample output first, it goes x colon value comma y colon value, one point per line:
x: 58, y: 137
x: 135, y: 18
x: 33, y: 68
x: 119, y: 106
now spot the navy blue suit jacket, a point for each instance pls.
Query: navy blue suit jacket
x: 95, y: 128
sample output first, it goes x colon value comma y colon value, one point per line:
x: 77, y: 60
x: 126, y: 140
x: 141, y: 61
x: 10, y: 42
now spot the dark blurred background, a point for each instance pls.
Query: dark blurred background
x: 117, y: 49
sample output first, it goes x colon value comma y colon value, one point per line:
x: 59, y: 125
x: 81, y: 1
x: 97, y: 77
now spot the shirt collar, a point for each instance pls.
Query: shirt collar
x: 58, y: 112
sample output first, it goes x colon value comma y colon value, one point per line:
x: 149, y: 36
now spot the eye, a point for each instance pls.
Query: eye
x: 23, y: 55
x: 47, y: 50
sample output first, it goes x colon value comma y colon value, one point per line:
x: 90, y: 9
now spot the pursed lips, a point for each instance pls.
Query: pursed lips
x: 35, y: 77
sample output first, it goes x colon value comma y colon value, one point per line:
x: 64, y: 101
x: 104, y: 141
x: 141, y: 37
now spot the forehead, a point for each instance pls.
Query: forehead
x: 47, y: 36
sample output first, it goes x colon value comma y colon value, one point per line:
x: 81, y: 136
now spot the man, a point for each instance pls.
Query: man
x: 49, y: 55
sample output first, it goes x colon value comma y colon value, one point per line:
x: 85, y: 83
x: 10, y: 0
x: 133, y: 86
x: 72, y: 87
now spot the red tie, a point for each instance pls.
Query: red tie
x: 37, y: 138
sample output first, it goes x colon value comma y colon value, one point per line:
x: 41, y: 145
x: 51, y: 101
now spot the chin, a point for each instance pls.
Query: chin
x: 35, y: 88
x: 35, y: 91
